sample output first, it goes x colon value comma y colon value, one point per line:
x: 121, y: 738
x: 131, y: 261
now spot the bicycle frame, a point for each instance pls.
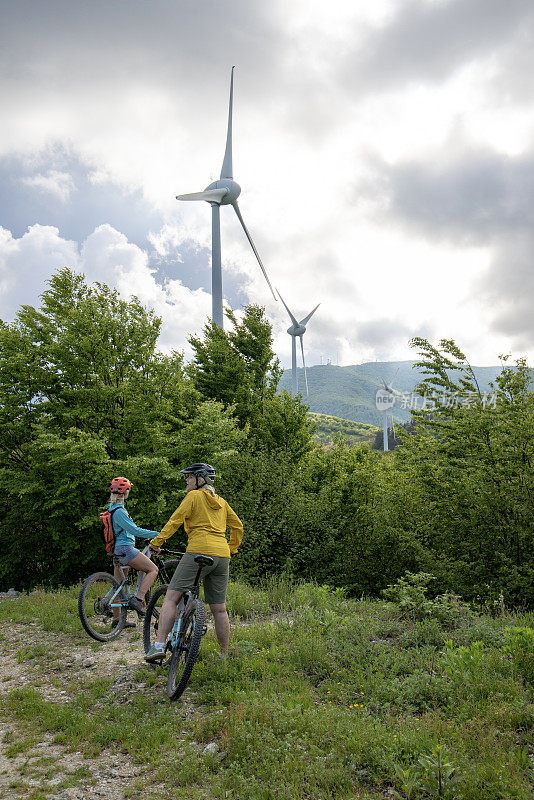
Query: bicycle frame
x: 104, y: 597
x: 124, y: 577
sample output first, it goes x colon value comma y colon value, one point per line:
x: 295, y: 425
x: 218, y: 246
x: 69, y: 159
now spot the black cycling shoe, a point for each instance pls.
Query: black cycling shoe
x: 127, y: 624
x: 137, y: 605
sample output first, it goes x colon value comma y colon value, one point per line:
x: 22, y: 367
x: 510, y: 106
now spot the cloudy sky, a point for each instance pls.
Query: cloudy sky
x: 385, y: 152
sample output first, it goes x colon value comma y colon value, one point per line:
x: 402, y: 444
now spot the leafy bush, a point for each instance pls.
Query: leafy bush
x: 432, y: 776
x: 315, y: 597
x: 409, y: 594
x: 418, y: 692
x: 520, y: 646
x: 463, y: 664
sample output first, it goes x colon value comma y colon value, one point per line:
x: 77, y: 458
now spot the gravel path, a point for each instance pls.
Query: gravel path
x: 33, y: 764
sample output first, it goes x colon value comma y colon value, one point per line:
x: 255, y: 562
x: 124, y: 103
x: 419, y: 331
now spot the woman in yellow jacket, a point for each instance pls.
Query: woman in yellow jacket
x: 205, y: 517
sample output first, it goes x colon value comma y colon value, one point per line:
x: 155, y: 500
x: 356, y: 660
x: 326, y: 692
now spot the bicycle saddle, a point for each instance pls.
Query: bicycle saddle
x: 205, y: 561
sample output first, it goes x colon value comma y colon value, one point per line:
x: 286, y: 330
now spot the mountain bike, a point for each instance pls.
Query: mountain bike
x: 103, y: 600
x: 183, y: 645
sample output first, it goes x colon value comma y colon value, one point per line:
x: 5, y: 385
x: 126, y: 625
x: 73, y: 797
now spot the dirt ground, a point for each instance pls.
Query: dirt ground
x: 42, y: 768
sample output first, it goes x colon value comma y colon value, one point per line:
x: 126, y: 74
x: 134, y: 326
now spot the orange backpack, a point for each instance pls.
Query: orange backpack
x: 108, y: 534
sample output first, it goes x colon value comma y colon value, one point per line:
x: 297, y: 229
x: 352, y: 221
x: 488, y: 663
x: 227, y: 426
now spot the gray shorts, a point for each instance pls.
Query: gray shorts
x: 126, y: 553
x: 214, y: 578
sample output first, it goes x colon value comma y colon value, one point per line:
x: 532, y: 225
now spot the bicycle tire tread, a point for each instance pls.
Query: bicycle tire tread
x: 174, y: 692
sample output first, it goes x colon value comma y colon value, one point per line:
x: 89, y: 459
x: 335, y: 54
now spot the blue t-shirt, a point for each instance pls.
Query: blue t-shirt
x: 125, y: 528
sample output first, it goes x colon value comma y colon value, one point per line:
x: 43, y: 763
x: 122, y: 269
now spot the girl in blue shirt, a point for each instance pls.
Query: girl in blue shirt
x: 125, y: 531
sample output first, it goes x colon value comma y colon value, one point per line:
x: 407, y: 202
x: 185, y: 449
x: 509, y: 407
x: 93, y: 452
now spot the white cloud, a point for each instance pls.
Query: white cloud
x: 58, y: 184
x: 105, y: 256
x: 26, y: 264
x: 321, y: 91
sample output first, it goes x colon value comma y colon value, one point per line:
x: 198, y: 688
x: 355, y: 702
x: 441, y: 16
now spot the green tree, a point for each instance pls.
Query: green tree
x: 237, y: 367
x: 87, y: 360
x: 463, y: 482
x: 84, y: 394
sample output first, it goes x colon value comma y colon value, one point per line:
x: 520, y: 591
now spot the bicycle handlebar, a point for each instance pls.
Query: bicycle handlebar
x: 148, y: 550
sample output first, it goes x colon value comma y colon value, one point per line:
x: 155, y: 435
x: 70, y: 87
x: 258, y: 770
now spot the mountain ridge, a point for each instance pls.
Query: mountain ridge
x: 349, y: 392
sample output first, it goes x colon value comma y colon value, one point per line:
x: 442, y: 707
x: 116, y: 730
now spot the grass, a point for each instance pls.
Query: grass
x: 57, y: 612
x: 321, y: 698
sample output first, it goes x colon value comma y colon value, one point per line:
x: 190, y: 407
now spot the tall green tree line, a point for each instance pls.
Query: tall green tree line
x: 85, y: 394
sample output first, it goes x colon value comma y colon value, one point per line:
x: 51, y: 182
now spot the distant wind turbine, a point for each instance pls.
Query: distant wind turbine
x: 297, y: 329
x: 389, y: 400
x: 222, y: 193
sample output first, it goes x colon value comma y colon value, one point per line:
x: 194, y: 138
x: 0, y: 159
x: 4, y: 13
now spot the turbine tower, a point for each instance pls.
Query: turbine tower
x: 297, y: 329
x: 222, y: 193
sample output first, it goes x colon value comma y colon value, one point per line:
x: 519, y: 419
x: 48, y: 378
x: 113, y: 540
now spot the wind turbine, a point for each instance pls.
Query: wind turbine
x: 297, y: 329
x: 385, y: 399
x: 222, y: 193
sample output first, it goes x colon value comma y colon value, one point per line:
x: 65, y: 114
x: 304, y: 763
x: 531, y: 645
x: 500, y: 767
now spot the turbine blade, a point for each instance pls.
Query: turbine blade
x: 287, y: 309
x: 396, y: 373
x: 210, y: 196
x: 241, y: 220
x: 227, y: 168
x: 304, y: 364
x: 306, y: 319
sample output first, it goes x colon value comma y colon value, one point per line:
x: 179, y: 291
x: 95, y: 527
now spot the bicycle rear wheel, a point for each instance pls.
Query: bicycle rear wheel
x: 98, y: 591
x: 150, y: 624
x: 185, y: 654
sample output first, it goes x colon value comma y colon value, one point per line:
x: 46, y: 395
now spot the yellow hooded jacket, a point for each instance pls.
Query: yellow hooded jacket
x: 205, y: 518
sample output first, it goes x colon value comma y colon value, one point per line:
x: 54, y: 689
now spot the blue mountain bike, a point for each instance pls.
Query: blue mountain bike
x: 103, y: 600
x: 183, y: 645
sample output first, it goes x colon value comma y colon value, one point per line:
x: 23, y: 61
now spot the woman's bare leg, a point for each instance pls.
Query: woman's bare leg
x: 168, y: 613
x: 222, y: 625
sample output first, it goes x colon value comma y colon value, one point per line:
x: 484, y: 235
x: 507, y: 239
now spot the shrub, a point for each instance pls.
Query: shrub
x: 409, y: 595
x: 520, y: 646
x: 462, y: 664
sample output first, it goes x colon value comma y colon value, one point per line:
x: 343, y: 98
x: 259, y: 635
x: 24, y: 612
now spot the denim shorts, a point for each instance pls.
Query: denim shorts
x: 126, y: 553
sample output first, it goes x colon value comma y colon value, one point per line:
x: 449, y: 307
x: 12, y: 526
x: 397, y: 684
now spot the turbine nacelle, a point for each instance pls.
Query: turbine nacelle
x: 296, y: 330
x: 233, y: 190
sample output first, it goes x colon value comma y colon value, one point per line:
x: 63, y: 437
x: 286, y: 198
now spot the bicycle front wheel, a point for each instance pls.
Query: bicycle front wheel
x: 162, y: 579
x: 150, y: 624
x: 99, y: 591
x: 185, y: 654
x: 169, y: 567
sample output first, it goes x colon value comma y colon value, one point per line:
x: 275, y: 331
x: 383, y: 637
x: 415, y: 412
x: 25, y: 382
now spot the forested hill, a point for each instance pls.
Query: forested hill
x: 349, y: 392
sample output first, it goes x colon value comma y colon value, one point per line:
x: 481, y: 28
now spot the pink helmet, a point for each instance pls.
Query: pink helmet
x: 120, y: 485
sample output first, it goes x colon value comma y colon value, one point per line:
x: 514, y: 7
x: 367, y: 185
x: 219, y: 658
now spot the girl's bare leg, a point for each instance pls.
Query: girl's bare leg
x: 118, y: 576
x: 144, y: 564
